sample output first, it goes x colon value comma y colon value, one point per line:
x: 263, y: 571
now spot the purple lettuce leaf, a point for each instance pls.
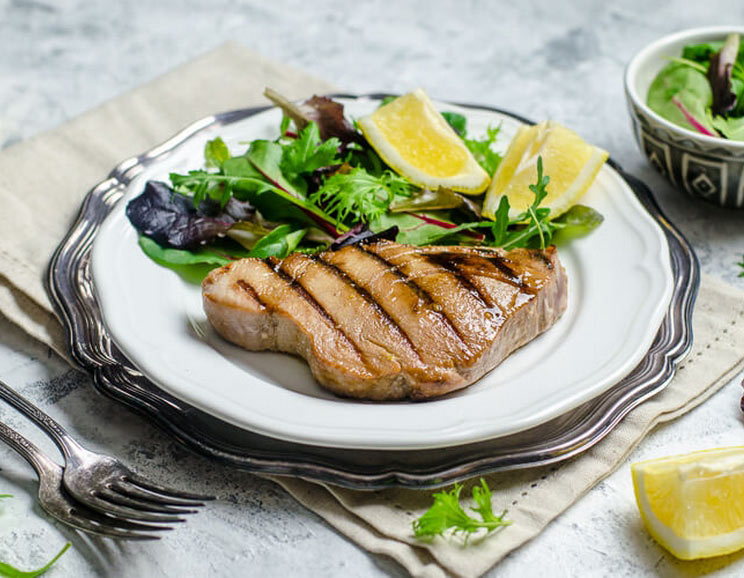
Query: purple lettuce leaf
x: 171, y: 220
x: 325, y: 112
x: 719, y: 75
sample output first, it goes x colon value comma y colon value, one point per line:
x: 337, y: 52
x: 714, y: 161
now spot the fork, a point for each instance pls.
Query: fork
x: 102, y: 482
x: 60, y: 505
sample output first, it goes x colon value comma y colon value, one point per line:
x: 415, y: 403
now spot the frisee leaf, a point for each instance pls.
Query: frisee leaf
x: 447, y: 515
x: 357, y: 195
x: 11, y: 572
x: 482, y: 150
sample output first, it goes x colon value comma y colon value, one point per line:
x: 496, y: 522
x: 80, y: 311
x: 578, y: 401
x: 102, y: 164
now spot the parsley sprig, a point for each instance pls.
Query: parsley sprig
x: 447, y: 515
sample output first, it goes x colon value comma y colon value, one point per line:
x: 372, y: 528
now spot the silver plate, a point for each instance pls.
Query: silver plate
x: 71, y: 289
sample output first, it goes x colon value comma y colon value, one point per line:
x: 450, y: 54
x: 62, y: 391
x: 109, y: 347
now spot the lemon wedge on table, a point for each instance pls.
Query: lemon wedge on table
x: 571, y: 163
x: 412, y: 137
x: 693, y: 504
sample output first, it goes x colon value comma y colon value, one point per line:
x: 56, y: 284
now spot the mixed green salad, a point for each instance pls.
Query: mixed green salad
x: 320, y: 185
x: 703, y: 90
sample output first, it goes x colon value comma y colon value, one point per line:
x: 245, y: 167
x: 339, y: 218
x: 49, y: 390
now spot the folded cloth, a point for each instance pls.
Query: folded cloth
x: 42, y: 184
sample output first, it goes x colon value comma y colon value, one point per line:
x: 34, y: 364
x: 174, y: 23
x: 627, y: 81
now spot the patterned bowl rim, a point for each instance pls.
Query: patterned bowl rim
x: 631, y: 73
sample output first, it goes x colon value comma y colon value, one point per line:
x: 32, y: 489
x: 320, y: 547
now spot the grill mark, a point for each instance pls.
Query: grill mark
x: 368, y: 298
x: 447, y: 262
x: 244, y: 286
x: 420, y: 291
x: 498, y: 262
x: 275, y: 266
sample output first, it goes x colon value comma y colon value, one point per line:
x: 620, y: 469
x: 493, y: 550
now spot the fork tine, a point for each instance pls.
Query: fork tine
x: 112, y: 500
x: 165, y: 491
x: 94, y: 523
x: 131, y: 490
x: 106, y: 531
x: 86, y: 513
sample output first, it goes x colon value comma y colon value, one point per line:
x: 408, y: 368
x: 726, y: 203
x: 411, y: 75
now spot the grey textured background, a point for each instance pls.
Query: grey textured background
x: 537, y: 58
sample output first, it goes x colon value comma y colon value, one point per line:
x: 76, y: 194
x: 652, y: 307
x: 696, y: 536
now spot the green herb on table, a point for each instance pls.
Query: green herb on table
x: 741, y: 264
x: 446, y: 515
x: 9, y: 571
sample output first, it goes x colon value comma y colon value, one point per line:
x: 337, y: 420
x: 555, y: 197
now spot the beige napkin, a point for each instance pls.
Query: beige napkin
x: 43, y: 181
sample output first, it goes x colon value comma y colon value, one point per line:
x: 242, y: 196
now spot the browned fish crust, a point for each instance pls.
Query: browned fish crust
x: 386, y: 321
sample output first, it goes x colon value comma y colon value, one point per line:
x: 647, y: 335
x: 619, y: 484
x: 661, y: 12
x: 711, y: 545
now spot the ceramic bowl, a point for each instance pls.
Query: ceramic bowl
x: 706, y: 167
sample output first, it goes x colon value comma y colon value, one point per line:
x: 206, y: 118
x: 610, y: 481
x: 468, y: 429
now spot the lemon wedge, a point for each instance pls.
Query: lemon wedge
x: 693, y: 504
x: 412, y: 137
x: 570, y: 162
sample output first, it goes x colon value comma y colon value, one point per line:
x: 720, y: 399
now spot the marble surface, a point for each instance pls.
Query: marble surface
x: 537, y: 58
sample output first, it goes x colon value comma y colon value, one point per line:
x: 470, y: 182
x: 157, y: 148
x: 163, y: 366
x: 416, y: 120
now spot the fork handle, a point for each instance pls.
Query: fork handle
x: 65, y: 443
x: 29, y: 451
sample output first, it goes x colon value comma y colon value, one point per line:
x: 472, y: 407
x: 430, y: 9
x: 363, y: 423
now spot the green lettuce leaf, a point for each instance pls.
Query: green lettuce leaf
x: 732, y: 127
x: 689, y: 87
x: 278, y: 243
x: 216, y: 153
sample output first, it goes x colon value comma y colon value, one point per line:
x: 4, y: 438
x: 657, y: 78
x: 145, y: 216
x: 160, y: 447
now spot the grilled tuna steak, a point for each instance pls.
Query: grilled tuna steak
x: 386, y: 321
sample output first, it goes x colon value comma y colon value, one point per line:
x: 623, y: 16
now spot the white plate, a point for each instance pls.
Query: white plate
x: 620, y: 284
